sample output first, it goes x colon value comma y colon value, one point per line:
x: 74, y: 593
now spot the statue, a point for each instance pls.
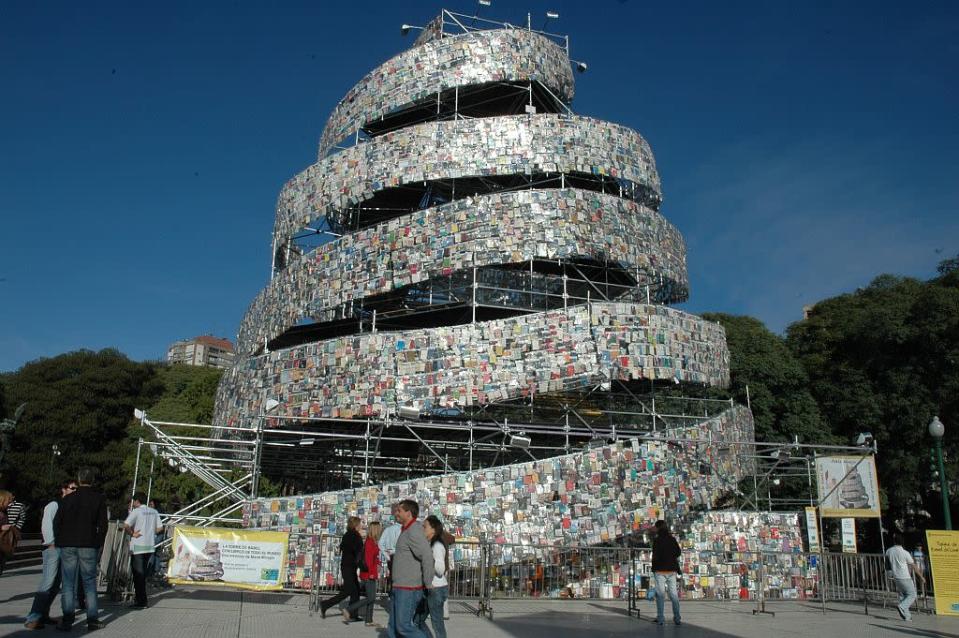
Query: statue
x: 7, y: 426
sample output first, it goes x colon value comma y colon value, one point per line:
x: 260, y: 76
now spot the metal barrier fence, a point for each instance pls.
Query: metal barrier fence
x: 863, y: 578
x: 487, y: 571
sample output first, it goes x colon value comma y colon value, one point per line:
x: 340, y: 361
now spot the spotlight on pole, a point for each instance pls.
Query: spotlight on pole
x: 405, y: 29
x: 408, y: 412
x: 520, y: 440
x: 579, y: 66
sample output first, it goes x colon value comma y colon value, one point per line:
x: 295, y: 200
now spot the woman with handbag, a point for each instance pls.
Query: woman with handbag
x: 351, y: 554
x: 369, y: 573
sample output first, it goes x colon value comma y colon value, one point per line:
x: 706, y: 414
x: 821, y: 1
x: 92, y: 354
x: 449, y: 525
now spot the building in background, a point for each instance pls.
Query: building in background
x: 206, y: 350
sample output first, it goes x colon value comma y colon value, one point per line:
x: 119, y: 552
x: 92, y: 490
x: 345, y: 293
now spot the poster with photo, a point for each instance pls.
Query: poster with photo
x: 848, y: 487
x: 228, y: 558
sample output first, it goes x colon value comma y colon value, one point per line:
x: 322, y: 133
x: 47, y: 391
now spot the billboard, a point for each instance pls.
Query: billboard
x: 848, y: 487
x: 944, y: 560
x: 228, y: 558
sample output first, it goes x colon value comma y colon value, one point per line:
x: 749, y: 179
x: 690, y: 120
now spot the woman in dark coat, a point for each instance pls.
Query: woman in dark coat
x: 666, y: 554
x: 351, y: 546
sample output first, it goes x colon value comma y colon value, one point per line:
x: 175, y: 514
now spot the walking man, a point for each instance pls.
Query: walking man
x: 391, y: 534
x: 143, y: 524
x: 80, y: 527
x: 412, y: 572
x: 50, y: 580
x: 899, y: 563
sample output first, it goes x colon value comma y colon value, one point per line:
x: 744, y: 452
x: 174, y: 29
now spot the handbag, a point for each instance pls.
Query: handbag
x: 9, y: 539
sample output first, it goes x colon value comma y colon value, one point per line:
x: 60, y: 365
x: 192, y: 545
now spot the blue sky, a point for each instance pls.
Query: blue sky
x: 803, y: 147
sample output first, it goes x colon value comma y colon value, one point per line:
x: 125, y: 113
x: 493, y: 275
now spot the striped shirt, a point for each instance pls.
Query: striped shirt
x: 17, y: 514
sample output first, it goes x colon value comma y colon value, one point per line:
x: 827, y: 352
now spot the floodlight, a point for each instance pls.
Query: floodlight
x: 520, y: 440
x: 408, y: 412
x: 271, y: 404
x: 139, y: 414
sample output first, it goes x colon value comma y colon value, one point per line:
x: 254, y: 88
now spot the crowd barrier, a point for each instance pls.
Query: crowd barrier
x: 483, y: 572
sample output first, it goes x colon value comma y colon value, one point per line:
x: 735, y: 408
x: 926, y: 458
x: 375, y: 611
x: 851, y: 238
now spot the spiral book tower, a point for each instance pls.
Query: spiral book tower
x: 467, y: 254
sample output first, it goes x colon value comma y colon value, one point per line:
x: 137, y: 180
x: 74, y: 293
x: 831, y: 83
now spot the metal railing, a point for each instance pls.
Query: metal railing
x: 486, y: 571
x: 863, y: 578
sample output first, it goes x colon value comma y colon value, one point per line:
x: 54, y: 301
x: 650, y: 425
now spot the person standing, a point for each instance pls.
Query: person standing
x: 16, y: 513
x: 665, y: 566
x: 369, y: 575
x: 142, y: 525
x: 439, y: 589
x: 14, y: 516
x: 351, y: 549
x: 50, y: 580
x: 152, y: 564
x: 412, y: 572
x: 80, y: 527
x: 901, y: 566
x: 388, y: 541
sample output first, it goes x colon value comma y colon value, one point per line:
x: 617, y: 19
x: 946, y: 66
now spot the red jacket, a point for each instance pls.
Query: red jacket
x: 372, y: 553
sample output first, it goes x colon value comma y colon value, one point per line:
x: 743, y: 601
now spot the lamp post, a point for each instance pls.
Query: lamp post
x: 936, y: 430
x: 54, y: 453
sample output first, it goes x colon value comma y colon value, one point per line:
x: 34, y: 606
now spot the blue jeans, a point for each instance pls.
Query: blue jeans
x: 434, y: 605
x: 907, y: 595
x: 365, y: 603
x: 49, y: 585
x: 662, y: 580
x: 84, y: 561
x: 403, y: 606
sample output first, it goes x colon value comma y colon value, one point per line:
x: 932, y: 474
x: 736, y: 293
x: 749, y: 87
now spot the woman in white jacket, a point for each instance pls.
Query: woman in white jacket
x: 439, y: 589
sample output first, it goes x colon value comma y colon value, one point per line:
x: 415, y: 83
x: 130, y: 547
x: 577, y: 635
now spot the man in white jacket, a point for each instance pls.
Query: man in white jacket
x: 50, y: 581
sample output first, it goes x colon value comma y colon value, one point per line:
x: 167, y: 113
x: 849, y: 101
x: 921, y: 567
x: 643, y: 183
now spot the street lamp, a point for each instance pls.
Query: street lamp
x: 936, y: 430
x: 54, y: 453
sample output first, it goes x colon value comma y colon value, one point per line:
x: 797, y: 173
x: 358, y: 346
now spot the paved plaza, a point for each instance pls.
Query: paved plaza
x: 176, y: 613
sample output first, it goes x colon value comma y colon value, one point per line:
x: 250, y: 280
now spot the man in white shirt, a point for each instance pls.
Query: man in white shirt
x: 901, y: 566
x: 142, y: 525
x: 50, y: 581
x: 388, y: 540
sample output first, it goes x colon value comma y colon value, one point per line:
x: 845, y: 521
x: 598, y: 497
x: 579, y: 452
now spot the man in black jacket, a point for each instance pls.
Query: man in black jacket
x: 80, y: 527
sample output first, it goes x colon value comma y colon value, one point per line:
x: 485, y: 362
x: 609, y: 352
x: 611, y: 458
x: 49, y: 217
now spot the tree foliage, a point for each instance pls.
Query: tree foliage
x: 885, y: 360
x: 778, y: 386
x: 83, y: 403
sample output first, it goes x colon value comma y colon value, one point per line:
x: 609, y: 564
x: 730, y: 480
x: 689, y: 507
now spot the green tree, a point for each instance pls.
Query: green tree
x: 884, y: 360
x: 81, y: 402
x: 779, y: 396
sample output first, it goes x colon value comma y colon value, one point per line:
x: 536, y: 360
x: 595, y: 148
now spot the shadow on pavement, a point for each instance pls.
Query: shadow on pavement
x: 922, y: 633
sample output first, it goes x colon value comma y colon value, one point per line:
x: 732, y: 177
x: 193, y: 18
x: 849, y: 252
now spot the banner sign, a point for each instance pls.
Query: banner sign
x: 228, y: 558
x: 944, y: 559
x: 849, y: 535
x: 812, y: 530
x: 848, y: 486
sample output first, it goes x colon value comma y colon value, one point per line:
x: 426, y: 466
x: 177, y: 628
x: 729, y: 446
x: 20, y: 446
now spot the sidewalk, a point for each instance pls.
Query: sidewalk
x: 182, y: 613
